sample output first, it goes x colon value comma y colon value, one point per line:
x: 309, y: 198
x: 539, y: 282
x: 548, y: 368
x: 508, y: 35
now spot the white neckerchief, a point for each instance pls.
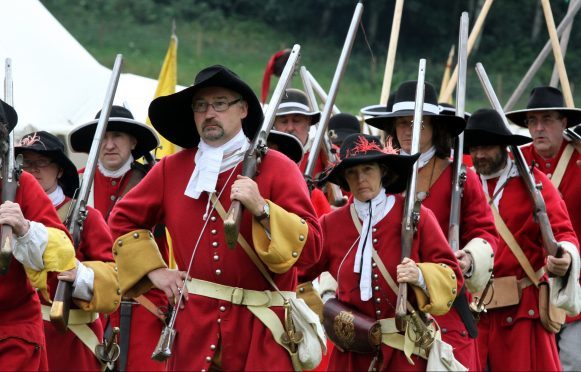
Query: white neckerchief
x: 116, y: 173
x: 425, y: 157
x: 505, y: 173
x: 370, y: 212
x: 211, y: 161
x: 57, y: 196
x: 307, y: 146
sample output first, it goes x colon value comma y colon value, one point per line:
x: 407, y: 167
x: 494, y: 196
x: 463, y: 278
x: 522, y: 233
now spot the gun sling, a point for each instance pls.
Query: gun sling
x: 78, y: 320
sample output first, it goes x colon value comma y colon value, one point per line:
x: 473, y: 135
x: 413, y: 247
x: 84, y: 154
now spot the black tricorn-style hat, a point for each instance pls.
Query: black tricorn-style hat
x: 173, y: 118
x: 404, y: 103
x: 51, y: 146
x: 545, y: 99
x: 486, y: 128
x: 362, y: 148
x: 120, y: 120
x: 341, y: 126
x: 295, y: 101
x: 8, y: 115
x: 287, y: 144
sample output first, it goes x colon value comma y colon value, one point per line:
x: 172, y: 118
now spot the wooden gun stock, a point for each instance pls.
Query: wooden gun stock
x: 59, y: 311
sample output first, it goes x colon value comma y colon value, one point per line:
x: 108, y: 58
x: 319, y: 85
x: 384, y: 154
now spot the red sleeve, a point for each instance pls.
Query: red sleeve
x: 96, y: 240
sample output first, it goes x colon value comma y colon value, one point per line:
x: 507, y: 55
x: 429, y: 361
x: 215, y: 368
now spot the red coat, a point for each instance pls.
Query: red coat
x: 65, y: 350
x: 429, y: 245
x: 476, y: 221
x: 107, y: 190
x: 502, y: 331
x: 569, y: 186
x: 22, y: 344
x: 320, y: 163
x: 159, y: 198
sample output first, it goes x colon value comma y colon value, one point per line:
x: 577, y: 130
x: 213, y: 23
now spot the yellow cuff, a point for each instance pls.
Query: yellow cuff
x: 288, y: 235
x: 59, y: 256
x: 106, y: 291
x: 136, y: 254
x: 441, y: 283
x: 311, y: 296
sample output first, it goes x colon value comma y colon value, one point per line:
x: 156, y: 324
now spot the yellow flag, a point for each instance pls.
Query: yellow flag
x: 166, y: 85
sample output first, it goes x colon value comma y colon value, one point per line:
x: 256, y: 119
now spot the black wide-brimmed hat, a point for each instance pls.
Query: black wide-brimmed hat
x: 379, y: 109
x: 172, y: 116
x: 362, y: 148
x: 486, y: 128
x: 120, y: 120
x: 8, y: 115
x: 404, y: 103
x: 295, y: 101
x: 287, y: 144
x: 545, y: 99
x: 51, y: 146
x: 341, y: 126
x: 448, y: 109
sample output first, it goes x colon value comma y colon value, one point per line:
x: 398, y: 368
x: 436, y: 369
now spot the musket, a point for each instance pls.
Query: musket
x: 539, y: 207
x: 458, y: 169
x: 258, y: 147
x: 10, y: 176
x: 411, y: 215
x: 59, y: 311
x: 336, y: 197
x: 320, y: 91
x: 572, y: 133
x: 339, y: 71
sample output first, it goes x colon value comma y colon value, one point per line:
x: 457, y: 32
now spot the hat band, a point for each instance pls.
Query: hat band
x: 411, y: 105
x: 294, y: 105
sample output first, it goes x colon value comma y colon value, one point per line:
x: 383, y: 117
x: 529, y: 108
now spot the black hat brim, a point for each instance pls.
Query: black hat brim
x: 11, y: 115
x: 287, y: 144
x: 399, y: 165
x: 173, y: 118
x: 81, y: 138
x: 518, y: 117
x: 477, y: 137
x: 454, y: 124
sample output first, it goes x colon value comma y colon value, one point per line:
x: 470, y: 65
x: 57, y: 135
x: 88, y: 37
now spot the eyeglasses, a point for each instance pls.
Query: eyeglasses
x: 545, y: 120
x: 37, y: 164
x: 407, y: 124
x: 218, y: 106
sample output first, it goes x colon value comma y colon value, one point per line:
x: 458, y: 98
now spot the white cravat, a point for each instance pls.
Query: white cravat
x: 57, y: 196
x: 370, y: 212
x: 116, y: 173
x: 425, y: 157
x: 211, y: 161
x: 505, y: 173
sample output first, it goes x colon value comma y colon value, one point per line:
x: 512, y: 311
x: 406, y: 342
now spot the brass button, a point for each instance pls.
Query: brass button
x: 301, y: 237
x: 509, y: 319
x: 222, y: 308
x: 374, y: 240
x: 214, y: 244
x: 449, y: 303
x: 120, y: 243
x: 113, y: 183
x: 115, y: 268
x: 453, y: 290
x: 377, y: 300
x: 302, y: 289
x: 118, y: 291
x: 115, y: 252
x: 444, y: 330
x: 113, y: 197
x: 115, y: 302
x: 374, y: 229
x: 295, y: 254
x: 219, y: 320
x: 216, y: 257
x: 303, y: 221
x: 212, y: 347
x: 531, y: 312
x: 453, y: 276
x: 375, y: 276
x: 373, y: 264
x: 213, y: 232
x: 136, y: 235
x: 213, y: 218
x: 208, y: 359
x: 376, y: 288
x: 218, y: 271
x: 378, y: 312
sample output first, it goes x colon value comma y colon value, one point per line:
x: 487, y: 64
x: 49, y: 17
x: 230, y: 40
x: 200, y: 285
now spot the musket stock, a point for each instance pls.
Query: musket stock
x: 59, y: 312
x: 10, y: 175
x: 258, y: 147
x: 539, y: 207
x: 411, y: 215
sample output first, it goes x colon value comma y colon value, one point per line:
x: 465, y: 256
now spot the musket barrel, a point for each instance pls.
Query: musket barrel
x: 339, y: 71
x: 321, y: 92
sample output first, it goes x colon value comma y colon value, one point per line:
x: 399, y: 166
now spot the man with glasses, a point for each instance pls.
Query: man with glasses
x: 546, y: 117
x: 221, y: 321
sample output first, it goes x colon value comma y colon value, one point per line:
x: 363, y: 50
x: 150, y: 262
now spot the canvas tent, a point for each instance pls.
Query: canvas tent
x: 58, y: 85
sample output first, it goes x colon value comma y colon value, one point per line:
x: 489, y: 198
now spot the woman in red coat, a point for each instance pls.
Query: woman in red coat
x: 94, y: 280
x: 371, y: 224
x: 478, y: 236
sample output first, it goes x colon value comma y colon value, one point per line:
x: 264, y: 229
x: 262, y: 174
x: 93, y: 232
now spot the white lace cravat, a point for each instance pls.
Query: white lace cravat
x: 211, y: 161
x: 504, y: 174
x: 370, y: 212
x: 116, y: 173
x: 425, y: 157
x: 57, y: 196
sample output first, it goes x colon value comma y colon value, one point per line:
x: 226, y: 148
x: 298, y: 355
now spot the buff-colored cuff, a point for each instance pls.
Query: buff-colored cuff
x: 136, y: 254
x: 288, y: 235
x: 106, y: 291
x: 482, y: 264
x: 441, y: 282
x: 59, y: 256
x: 311, y: 296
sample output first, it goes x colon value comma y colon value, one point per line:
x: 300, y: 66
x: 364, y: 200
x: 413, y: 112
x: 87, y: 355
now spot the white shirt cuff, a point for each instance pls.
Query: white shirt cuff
x: 29, y: 248
x: 83, y: 285
x: 422, y: 283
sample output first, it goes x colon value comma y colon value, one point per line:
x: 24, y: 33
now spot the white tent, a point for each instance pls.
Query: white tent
x: 57, y: 84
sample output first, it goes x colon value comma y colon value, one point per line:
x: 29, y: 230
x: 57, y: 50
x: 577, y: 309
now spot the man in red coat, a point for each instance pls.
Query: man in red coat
x: 221, y: 321
x: 546, y: 117
x: 95, y: 284
x: 511, y: 335
x: 41, y: 246
x: 126, y: 140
